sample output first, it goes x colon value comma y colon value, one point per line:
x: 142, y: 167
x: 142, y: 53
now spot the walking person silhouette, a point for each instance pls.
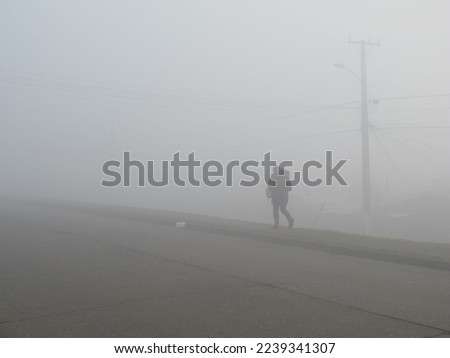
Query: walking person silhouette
x: 278, y: 190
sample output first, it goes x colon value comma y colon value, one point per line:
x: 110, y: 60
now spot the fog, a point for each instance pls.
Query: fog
x: 81, y: 82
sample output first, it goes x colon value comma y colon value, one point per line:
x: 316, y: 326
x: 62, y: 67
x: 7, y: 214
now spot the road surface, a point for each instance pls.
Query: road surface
x: 68, y: 272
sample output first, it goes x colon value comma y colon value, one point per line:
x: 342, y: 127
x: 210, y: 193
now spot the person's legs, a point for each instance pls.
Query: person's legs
x: 276, y: 212
x: 285, y: 212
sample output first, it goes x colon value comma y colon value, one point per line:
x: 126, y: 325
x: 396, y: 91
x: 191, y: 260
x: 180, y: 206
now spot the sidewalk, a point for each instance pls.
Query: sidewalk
x: 423, y: 254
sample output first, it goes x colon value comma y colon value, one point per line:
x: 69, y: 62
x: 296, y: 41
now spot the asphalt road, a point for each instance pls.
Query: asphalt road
x: 70, y: 273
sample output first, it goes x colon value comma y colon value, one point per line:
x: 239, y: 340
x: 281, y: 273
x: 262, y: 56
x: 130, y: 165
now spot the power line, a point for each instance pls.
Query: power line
x: 324, y: 108
x: 425, y: 147
x: 441, y: 135
x: 288, y: 116
x: 415, y: 127
x: 416, y: 110
x: 394, y: 166
x: 413, y: 97
x: 158, y: 100
x: 286, y: 139
x: 152, y: 95
x: 429, y: 158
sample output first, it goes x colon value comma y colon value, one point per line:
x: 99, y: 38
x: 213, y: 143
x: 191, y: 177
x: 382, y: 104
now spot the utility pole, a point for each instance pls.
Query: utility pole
x: 365, y: 142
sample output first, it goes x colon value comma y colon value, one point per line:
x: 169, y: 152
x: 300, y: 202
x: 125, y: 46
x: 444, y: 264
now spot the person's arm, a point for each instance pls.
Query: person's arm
x: 289, y: 185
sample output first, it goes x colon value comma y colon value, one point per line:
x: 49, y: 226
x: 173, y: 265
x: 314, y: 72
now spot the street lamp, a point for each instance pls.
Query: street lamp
x: 344, y: 67
x: 366, y: 189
